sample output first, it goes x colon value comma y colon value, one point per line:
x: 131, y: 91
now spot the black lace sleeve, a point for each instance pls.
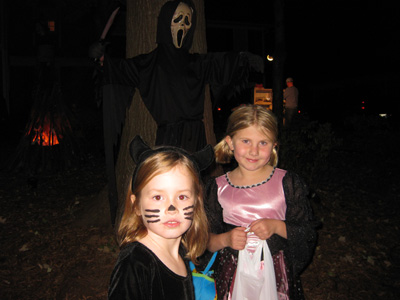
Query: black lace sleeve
x: 213, y: 208
x: 300, y: 222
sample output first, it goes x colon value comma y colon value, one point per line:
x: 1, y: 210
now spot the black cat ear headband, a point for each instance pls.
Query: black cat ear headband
x: 139, y: 151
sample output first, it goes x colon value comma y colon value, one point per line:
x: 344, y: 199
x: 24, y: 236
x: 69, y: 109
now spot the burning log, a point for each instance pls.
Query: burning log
x: 44, y: 134
x: 48, y: 143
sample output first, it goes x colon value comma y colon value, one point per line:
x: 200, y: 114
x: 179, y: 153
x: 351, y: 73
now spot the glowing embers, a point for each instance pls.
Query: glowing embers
x: 43, y: 132
x: 48, y: 144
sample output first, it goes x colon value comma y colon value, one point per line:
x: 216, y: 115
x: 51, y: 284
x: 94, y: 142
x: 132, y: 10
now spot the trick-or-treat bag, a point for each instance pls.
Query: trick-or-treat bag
x: 255, y: 279
x: 204, y: 284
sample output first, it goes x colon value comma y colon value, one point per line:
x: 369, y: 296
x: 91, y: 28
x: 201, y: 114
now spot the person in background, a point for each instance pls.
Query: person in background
x: 291, y: 96
x: 258, y: 201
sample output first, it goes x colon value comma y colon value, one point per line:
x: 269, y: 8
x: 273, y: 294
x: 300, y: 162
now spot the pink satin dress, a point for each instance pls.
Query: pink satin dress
x: 244, y: 204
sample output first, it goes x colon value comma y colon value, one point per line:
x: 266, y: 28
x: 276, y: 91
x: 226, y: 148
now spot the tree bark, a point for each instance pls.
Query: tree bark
x: 279, y: 61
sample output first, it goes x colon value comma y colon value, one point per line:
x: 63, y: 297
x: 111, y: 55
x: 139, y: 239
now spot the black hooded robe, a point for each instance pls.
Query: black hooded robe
x: 171, y: 82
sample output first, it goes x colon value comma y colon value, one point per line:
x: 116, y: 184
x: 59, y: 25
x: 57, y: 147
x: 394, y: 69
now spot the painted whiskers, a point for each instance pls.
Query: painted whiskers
x: 154, y: 215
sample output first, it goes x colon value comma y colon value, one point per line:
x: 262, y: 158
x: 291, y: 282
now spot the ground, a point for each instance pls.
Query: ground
x: 56, y: 241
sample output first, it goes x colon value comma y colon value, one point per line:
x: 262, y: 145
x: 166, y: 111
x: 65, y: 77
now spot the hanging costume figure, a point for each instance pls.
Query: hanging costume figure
x: 171, y: 81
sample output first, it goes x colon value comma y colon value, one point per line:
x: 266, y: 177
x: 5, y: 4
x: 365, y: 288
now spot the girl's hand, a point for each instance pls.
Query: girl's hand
x: 265, y: 228
x: 237, y: 238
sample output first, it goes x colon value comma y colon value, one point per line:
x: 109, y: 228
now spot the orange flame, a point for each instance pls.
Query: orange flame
x: 45, y: 135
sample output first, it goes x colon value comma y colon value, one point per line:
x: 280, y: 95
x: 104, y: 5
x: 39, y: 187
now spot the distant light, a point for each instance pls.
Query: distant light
x: 362, y: 107
x: 51, y: 25
x: 219, y: 108
x: 383, y: 115
x: 270, y: 57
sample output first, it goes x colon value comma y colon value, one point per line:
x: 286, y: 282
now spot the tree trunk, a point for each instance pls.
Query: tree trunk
x: 279, y: 61
x: 141, y: 29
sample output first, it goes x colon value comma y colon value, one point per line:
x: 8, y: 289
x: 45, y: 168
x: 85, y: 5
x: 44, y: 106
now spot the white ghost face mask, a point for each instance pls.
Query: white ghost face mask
x: 180, y: 24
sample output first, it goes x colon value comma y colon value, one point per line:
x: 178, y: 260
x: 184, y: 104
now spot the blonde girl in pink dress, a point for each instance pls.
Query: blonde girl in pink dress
x: 258, y: 201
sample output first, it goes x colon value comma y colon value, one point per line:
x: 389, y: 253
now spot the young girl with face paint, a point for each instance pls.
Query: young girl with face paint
x: 258, y: 201
x: 163, y: 226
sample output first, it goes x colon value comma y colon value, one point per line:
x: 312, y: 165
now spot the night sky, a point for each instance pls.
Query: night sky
x: 331, y: 39
x: 340, y: 53
x: 351, y: 48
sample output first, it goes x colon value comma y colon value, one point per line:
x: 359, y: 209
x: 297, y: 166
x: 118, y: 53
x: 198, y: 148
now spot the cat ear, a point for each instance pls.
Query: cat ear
x: 137, y: 148
x: 204, y: 157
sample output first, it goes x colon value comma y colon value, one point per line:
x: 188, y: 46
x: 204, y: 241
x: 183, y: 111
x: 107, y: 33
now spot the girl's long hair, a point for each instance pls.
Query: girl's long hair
x: 132, y: 227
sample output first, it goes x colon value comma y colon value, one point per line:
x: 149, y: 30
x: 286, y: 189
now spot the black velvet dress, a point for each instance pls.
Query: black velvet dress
x: 140, y: 275
x: 296, y: 251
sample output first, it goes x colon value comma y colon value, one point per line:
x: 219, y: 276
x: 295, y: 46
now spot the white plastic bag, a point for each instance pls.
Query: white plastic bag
x: 255, y: 279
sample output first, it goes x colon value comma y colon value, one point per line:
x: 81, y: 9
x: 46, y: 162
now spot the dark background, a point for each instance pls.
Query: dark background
x: 339, y: 53
x: 343, y: 55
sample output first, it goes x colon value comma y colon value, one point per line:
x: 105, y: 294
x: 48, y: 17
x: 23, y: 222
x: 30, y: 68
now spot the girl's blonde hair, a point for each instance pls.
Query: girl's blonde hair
x: 243, y: 117
x: 132, y: 227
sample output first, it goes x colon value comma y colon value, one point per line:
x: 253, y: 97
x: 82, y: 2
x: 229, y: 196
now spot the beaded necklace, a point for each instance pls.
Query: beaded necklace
x: 249, y: 186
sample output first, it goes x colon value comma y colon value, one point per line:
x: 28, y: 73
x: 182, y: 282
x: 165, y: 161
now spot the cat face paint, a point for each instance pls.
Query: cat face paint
x: 154, y: 217
x: 167, y: 204
x: 188, y: 212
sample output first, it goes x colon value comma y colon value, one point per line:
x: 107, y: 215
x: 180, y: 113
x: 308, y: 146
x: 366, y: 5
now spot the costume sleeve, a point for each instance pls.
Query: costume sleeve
x: 226, y: 72
x: 300, y: 222
x: 120, y: 77
x: 119, y: 82
x: 130, y: 279
x: 213, y: 208
x: 120, y: 71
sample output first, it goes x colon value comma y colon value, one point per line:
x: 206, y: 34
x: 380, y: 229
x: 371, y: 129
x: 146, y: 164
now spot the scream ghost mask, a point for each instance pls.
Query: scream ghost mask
x: 180, y: 24
x: 171, y: 82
